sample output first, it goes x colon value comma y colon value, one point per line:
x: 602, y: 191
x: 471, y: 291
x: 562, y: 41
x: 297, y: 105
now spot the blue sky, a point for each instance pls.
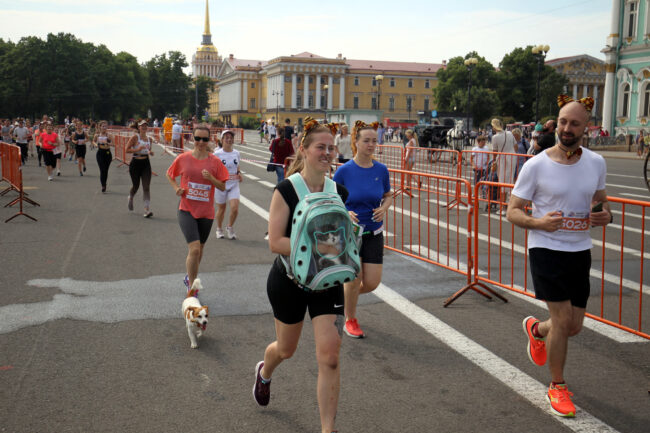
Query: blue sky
x: 406, y: 30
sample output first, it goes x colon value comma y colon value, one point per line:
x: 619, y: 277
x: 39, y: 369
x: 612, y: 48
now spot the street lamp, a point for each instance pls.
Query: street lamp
x: 277, y: 94
x: 539, y: 52
x: 196, y: 98
x: 326, y: 89
x: 469, y: 64
x: 379, y: 78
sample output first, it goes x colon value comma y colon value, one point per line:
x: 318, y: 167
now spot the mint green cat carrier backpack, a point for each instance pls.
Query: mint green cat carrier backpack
x: 324, y: 240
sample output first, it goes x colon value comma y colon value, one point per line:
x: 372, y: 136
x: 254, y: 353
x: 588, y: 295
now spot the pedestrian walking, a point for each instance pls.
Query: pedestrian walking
x: 281, y: 148
x: 409, y: 156
x: 21, y: 136
x: 140, y: 145
x: 566, y: 185
x: 342, y: 143
x: 79, y: 138
x: 288, y: 300
x: 370, y: 196
x: 503, y: 145
x: 201, y: 173
x: 479, y: 159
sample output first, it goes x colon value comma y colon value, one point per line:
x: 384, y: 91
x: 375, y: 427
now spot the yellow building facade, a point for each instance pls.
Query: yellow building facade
x: 337, y: 89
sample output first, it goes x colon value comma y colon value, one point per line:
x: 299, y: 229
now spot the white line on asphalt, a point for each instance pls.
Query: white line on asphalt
x: 627, y: 214
x: 506, y: 373
x: 626, y: 186
x: 627, y: 194
x: 610, y: 332
x: 266, y: 183
x: 624, y: 175
x: 251, y: 177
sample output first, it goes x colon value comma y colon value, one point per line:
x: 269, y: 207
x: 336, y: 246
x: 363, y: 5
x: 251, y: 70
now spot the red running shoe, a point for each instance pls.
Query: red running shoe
x: 536, y: 348
x: 352, y: 329
x: 560, y: 399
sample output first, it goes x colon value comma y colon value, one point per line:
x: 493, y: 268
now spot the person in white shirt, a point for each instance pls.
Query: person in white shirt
x: 177, y: 131
x: 566, y: 185
x: 479, y: 158
x: 21, y: 134
x: 231, y: 159
x: 272, y: 131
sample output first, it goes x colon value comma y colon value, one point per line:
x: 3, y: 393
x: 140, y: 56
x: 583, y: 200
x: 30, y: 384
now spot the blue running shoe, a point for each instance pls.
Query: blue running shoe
x: 186, y: 281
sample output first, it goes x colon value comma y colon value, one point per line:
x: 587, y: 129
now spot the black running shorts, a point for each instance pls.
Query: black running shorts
x: 194, y: 229
x: 290, y: 302
x: 561, y: 275
x: 372, y: 248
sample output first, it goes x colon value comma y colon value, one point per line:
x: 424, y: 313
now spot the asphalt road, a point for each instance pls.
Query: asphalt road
x: 92, y: 339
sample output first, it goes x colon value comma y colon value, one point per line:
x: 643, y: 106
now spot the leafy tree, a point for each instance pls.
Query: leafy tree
x: 168, y: 84
x: 451, y: 90
x: 201, y: 88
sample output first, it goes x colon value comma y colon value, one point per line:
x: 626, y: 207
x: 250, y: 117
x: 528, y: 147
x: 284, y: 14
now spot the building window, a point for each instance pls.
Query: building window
x: 252, y: 104
x: 374, y: 103
x: 299, y: 99
x: 409, y: 104
x: 392, y: 82
x: 624, y: 109
x: 311, y: 100
x: 374, y: 82
x: 427, y: 85
x: 426, y: 103
x: 355, y: 102
x: 299, y: 79
x: 410, y: 83
x: 322, y: 80
x: 391, y: 103
x: 356, y: 81
x: 323, y: 101
x: 645, y: 101
x: 631, y: 12
x: 252, y: 84
x: 311, y: 79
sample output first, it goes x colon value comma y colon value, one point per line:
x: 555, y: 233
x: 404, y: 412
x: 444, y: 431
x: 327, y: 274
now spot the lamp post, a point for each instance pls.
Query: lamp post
x: 469, y: 64
x: 277, y: 94
x: 326, y: 89
x: 379, y: 78
x: 539, y: 52
x: 196, y: 98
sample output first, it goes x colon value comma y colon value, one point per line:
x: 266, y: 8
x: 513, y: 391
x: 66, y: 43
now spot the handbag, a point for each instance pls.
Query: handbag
x: 271, y: 166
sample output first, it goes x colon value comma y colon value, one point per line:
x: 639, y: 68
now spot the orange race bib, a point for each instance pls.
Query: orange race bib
x: 575, y: 222
x: 198, y: 191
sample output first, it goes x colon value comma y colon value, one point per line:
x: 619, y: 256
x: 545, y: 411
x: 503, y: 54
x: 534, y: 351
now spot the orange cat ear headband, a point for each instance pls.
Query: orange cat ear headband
x: 311, y: 123
x: 587, y: 102
x: 361, y: 124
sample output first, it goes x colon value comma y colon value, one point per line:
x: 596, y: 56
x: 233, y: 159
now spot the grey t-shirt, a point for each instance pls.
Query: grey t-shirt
x: 21, y: 134
x: 6, y: 134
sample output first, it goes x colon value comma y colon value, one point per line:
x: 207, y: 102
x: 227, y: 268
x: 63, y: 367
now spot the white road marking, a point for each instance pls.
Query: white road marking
x: 267, y: 183
x: 626, y: 186
x: 506, y: 373
x: 627, y: 194
x: 624, y: 175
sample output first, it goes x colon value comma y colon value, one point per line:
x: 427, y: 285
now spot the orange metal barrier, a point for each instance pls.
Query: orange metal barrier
x: 12, y: 173
x: 500, y: 258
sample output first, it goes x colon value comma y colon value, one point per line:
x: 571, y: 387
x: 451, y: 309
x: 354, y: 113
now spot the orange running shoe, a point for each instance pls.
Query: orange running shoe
x: 536, y: 348
x: 352, y: 329
x: 560, y: 399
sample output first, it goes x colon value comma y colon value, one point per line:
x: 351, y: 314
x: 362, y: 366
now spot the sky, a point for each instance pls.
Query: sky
x: 406, y: 30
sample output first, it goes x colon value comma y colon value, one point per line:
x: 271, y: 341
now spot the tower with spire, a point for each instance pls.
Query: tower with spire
x: 206, y: 61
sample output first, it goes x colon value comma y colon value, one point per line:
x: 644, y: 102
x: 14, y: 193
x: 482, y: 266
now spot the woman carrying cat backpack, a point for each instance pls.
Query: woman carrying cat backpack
x: 370, y: 196
x: 288, y: 298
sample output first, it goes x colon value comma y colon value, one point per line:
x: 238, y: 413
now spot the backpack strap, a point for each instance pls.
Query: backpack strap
x: 302, y: 190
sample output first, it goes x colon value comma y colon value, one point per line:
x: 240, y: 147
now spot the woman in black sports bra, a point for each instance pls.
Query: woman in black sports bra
x: 104, y: 155
x: 79, y: 138
x: 140, y: 145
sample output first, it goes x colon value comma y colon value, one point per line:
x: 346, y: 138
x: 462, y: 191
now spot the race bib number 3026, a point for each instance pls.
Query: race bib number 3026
x: 198, y: 191
x: 575, y: 222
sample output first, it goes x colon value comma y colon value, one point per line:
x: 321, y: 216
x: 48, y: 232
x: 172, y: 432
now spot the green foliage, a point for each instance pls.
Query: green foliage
x: 62, y: 75
x: 248, y: 122
x: 203, y: 85
x: 511, y: 91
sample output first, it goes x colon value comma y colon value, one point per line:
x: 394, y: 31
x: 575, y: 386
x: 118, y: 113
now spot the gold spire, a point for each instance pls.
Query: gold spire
x: 206, y: 30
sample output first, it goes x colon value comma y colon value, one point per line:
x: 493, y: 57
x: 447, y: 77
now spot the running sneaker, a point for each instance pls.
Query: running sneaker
x: 352, y: 329
x: 186, y: 281
x: 262, y: 388
x: 231, y: 233
x: 84, y: 168
x: 148, y: 214
x: 536, y: 348
x: 81, y: 174
x: 130, y: 203
x: 58, y: 172
x: 219, y: 233
x: 560, y: 399
x: 266, y: 236
x: 50, y: 178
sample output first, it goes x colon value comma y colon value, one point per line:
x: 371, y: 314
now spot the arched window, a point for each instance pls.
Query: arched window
x: 625, y: 100
x: 645, y: 100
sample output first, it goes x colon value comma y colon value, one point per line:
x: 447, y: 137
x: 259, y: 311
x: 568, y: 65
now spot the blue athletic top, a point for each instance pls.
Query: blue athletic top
x: 366, y: 187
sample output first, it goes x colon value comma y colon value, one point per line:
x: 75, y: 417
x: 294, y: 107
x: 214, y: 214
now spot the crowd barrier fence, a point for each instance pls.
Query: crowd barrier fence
x: 12, y: 173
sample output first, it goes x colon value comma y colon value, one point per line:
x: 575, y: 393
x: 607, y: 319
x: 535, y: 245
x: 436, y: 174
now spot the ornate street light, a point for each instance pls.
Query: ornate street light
x: 379, y: 78
x: 277, y: 94
x: 469, y: 64
x: 326, y: 89
x: 539, y: 52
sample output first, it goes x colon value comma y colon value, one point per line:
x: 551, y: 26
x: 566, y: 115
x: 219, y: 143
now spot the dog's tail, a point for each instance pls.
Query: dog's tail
x: 194, y: 291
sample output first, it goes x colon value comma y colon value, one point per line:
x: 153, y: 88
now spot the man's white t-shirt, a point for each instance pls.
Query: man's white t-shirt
x: 177, y: 130
x: 231, y: 161
x: 552, y: 186
x: 21, y: 134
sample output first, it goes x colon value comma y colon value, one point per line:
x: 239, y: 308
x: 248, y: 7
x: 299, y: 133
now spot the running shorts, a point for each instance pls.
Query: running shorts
x: 80, y: 150
x: 194, y: 229
x: 230, y: 193
x: 372, y: 248
x: 561, y: 275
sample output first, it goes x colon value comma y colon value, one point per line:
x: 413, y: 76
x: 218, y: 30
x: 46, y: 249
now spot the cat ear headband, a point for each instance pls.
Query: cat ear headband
x: 587, y: 102
x: 311, y: 123
x: 361, y: 124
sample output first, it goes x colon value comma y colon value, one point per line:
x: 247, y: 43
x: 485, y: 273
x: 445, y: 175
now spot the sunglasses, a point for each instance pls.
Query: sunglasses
x: 206, y: 139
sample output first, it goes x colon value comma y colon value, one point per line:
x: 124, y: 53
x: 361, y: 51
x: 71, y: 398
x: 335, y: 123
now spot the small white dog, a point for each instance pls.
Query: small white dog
x: 196, y: 315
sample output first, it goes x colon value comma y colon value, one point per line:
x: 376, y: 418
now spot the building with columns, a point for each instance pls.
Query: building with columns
x: 206, y: 61
x: 627, y: 62
x: 336, y: 89
x: 586, y: 76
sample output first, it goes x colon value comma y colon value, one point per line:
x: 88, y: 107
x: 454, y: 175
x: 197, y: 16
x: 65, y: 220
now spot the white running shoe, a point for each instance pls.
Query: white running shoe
x: 219, y: 233
x: 50, y: 178
x: 231, y: 233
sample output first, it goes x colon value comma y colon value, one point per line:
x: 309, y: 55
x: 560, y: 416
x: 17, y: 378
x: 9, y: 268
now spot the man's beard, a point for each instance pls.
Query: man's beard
x: 570, y: 141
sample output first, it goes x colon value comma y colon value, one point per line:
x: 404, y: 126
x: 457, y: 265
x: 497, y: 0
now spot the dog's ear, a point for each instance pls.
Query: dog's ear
x: 206, y: 310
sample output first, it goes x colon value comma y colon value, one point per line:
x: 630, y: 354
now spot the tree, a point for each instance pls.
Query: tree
x: 451, y: 90
x: 517, y: 88
x: 204, y: 85
x: 168, y: 84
